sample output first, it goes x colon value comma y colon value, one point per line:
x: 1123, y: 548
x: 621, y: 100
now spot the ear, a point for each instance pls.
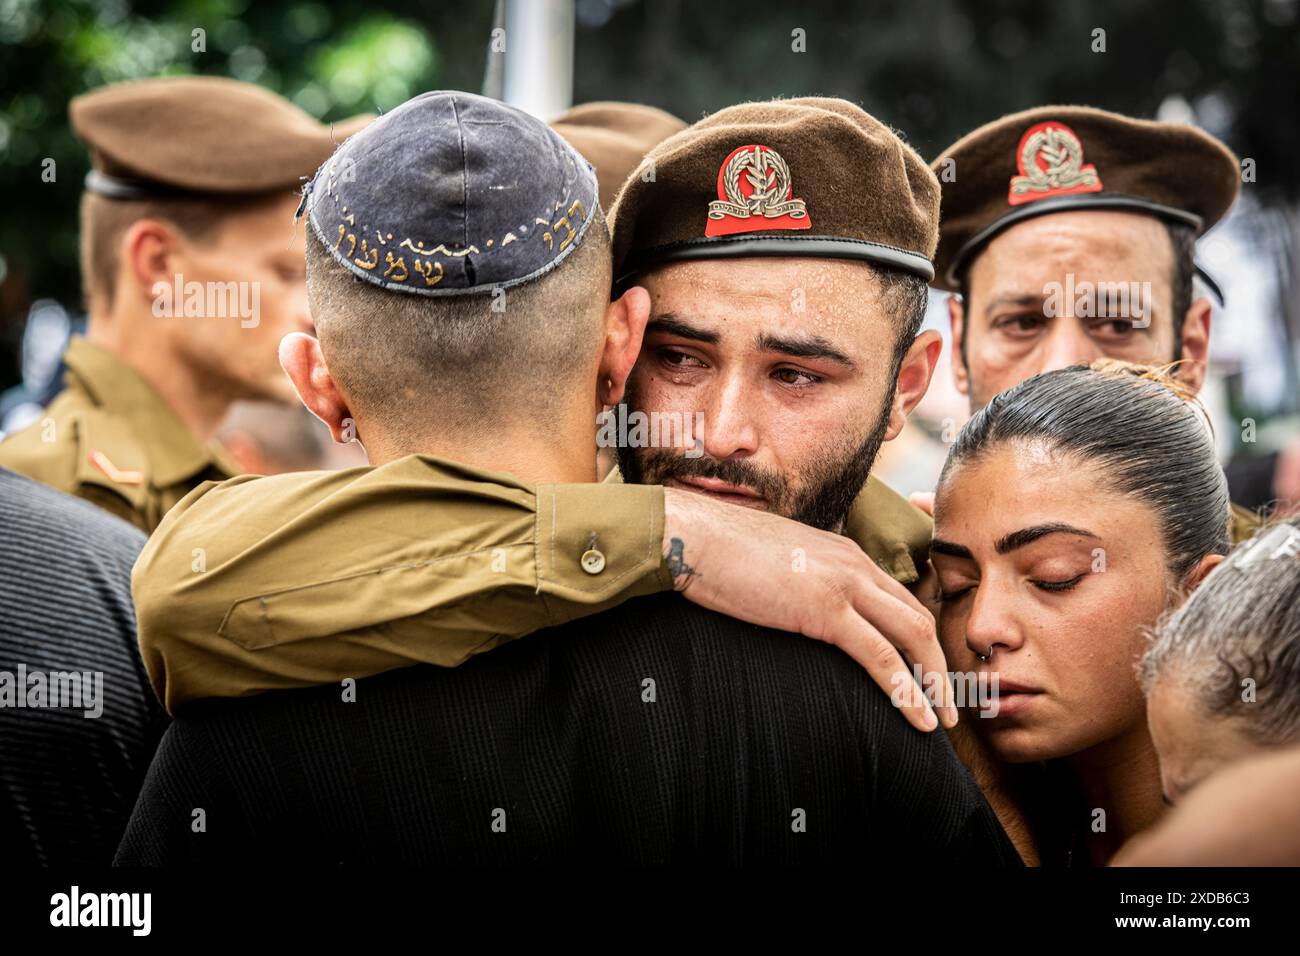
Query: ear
x: 957, y: 326
x: 913, y: 379
x: 302, y: 361
x: 151, y: 253
x: 1192, y: 580
x: 625, y: 322
x: 1195, y: 344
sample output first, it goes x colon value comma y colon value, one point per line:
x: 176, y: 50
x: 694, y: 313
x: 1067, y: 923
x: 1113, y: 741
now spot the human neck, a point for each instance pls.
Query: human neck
x: 532, y: 454
x: 1122, y: 777
x: 197, y: 402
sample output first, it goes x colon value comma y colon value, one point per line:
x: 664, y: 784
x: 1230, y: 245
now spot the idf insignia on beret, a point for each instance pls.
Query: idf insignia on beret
x: 810, y: 177
x: 1050, y: 163
x: 452, y: 194
x: 755, y: 192
x: 1060, y: 158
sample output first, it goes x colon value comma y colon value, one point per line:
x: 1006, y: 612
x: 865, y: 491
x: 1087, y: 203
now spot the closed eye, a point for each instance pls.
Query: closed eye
x: 954, y: 595
x: 1059, y: 585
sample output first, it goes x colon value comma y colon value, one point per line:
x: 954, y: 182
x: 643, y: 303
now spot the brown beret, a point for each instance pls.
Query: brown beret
x: 198, y: 134
x: 1056, y: 158
x: 614, y: 137
x: 800, y: 177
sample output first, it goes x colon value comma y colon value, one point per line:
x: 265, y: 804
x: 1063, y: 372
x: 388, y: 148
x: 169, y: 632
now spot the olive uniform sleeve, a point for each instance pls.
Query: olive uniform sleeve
x: 891, y: 530
x: 295, y: 580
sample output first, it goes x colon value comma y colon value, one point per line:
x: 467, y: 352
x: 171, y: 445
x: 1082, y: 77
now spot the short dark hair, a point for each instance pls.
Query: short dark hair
x: 468, y: 358
x: 1182, y: 240
x: 908, y: 296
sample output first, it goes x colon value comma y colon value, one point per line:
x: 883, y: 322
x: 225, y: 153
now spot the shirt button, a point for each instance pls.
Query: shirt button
x: 593, y: 561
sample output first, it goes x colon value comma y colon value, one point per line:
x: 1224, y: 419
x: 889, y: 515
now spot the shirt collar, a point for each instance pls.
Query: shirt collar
x: 174, y: 454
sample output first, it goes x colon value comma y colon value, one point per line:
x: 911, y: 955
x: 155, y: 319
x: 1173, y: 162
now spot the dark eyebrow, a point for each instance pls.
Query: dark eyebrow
x: 1018, y: 539
x: 1010, y: 299
x: 670, y: 324
x: 806, y: 346
x: 939, y: 546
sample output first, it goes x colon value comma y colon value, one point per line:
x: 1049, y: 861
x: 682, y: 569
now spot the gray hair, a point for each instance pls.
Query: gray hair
x: 1242, y: 624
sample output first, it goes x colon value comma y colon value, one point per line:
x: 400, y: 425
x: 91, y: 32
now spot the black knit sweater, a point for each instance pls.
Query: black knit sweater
x: 656, y: 732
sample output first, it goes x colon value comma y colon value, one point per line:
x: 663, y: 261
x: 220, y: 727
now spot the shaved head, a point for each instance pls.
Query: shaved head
x: 510, y: 355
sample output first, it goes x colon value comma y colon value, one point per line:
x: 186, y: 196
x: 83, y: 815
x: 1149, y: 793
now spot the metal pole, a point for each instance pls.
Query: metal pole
x: 494, y: 70
x: 539, y: 56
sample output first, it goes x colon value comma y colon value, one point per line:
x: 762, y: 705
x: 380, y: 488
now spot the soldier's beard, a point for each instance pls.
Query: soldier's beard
x: 819, y: 494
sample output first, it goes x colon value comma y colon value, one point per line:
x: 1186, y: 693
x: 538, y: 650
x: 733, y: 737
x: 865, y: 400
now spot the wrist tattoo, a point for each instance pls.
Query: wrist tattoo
x: 677, y: 567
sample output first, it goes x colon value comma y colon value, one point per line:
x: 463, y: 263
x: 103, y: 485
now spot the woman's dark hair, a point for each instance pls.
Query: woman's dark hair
x: 1142, y: 430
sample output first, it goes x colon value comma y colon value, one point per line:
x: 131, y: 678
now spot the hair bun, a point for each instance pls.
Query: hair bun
x: 1160, y: 374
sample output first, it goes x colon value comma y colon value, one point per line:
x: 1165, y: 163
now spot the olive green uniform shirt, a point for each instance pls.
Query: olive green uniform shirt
x: 111, y: 439
x: 310, y: 578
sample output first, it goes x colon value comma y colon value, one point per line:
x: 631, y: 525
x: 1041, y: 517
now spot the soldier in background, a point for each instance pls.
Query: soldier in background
x: 193, y: 272
x: 1070, y: 234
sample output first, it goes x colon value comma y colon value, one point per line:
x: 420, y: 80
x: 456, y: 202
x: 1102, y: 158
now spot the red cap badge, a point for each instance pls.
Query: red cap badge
x: 754, y: 194
x: 1051, y: 164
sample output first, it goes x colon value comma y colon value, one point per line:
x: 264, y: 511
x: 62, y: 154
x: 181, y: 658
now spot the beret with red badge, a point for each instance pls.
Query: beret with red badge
x: 614, y: 137
x: 1060, y: 158
x: 807, y: 177
x: 199, y: 135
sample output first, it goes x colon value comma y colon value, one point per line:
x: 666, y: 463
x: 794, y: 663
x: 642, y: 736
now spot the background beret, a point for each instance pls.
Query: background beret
x: 452, y: 194
x: 614, y: 137
x: 800, y: 177
x: 198, y: 134
x: 1055, y: 158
